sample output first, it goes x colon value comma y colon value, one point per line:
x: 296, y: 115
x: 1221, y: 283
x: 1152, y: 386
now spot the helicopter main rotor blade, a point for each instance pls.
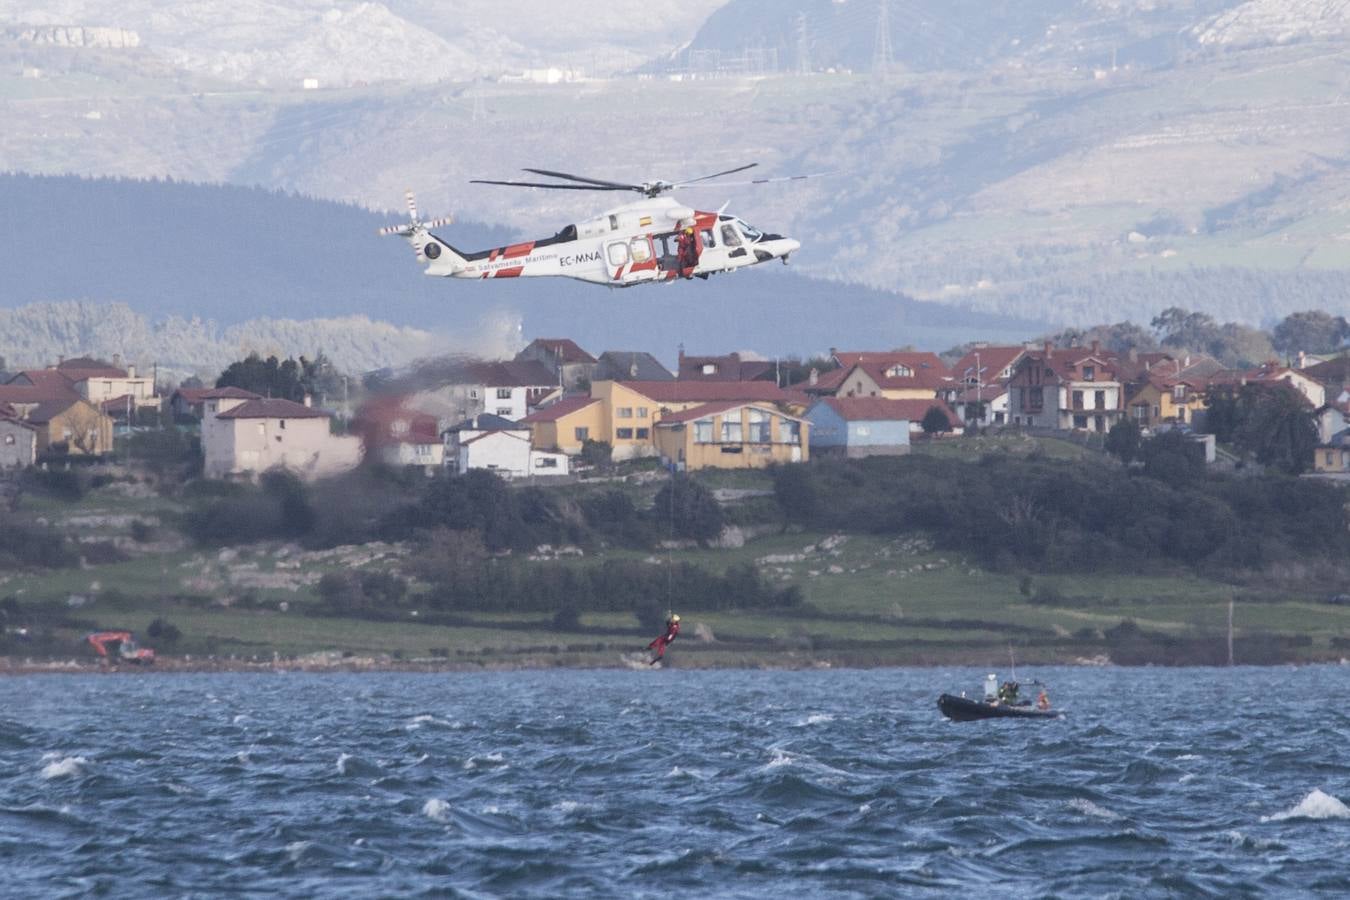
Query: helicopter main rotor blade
x: 718, y: 175
x: 721, y: 184
x: 597, y: 181
x: 555, y: 187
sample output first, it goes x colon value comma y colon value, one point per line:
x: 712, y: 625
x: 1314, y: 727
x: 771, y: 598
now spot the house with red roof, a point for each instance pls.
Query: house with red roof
x: 256, y: 436
x: 504, y: 447
x: 66, y: 424
x: 398, y: 435
x: 730, y: 367
x: 190, y: 403
x: 95, y: 381
x: 894, y: 375
x: 572, y: 367
x: 1066, y: 389
x: 731, y: 434
x: 567, y: 424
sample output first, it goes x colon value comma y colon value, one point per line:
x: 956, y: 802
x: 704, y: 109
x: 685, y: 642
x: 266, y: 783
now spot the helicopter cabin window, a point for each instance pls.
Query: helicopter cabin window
x: 729, y: 236
x: 709, y: 239
x: 618, y: 254
x: 641, y: 248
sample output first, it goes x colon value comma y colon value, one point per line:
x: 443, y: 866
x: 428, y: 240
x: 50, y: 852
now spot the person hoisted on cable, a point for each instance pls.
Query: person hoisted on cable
x: 659, y: 645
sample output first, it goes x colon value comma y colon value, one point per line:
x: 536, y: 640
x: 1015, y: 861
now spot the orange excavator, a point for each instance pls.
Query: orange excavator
x: 120, y: 646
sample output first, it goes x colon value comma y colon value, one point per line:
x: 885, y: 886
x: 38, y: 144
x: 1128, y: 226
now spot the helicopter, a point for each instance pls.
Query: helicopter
x: 654, y: 240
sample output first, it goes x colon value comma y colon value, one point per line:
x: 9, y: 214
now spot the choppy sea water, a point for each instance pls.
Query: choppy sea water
x: 1222, y: 783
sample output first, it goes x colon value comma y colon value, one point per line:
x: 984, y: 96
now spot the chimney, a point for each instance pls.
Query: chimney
x: 814, y: 377
x: 1096, y: 348
x: 309, y: 399
x: 1302, y: 360
x: 1049, y: 347
x: 131, y: 371
x: 117, y: 360
x: 1133, y: 355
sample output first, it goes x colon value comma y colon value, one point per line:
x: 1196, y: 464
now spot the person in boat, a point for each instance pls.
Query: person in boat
x: 1007, y: 693
x: 990, y: 688
x: 1042, y: 700
x: 663, y: 641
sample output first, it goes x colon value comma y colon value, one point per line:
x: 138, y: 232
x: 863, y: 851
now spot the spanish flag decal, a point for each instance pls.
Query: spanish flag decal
x: 644, y: 221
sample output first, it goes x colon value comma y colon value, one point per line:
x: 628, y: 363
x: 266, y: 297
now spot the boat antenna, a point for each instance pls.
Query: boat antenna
x: 1012, y: 661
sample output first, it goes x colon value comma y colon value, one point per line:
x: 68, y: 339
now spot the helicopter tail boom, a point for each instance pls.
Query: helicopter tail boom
x: 440, y: 258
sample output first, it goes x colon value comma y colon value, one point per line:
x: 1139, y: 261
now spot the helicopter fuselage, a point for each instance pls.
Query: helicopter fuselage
x: 637, y: 243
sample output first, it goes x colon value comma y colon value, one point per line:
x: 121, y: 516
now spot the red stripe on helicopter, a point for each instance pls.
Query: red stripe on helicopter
x: 515, y: 250
x: 513, y: 272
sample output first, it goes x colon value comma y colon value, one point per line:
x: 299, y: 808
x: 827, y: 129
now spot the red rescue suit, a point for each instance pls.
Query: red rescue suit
x: 687, y: 253
x: 660, y: 644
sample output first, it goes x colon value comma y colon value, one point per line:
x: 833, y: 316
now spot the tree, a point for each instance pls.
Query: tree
x: 270, y: 377
x: 1278, y: 428
x: 1312, y: 331
x: 598, y: 454
x: 85, y: 424
x: 935, y: 421
x: 794, y: 488
x: 1123, y: 440
x: 297, y: 516
x: 1172, y: 457
x: 689, y: 508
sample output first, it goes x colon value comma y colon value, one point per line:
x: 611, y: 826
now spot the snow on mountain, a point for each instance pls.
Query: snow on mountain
x: 279, y: 43
x: 1263, y: 22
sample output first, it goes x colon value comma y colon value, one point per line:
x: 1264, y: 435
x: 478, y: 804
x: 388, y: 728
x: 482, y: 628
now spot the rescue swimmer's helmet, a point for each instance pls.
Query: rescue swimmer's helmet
x: 689, y: 230
x: 675, y: 617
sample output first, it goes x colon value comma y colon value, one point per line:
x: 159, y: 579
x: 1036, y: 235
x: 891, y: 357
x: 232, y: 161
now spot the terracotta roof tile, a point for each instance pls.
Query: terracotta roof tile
x: 273, y: 409
x: 555, y: 411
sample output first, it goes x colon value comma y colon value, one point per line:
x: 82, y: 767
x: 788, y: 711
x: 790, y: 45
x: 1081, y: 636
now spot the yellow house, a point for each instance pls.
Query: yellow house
x: 566, y: 425
x: 900, y: 375
x: 75, y: 427
x: 732, y: 435
x: 1333, y: 456
x: 1157, y: 402
x: 627, y: 417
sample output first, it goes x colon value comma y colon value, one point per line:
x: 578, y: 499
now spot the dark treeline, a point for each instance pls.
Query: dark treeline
x: 1036, y: 515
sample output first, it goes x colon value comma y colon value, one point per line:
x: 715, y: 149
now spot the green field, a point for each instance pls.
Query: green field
x: 869, y: 600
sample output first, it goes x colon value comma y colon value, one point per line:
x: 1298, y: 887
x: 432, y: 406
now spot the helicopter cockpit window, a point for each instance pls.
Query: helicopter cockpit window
x: 642, y: 250
x: 618, y: 254
x: 729, y: 235
x: 709, y: 240
x: 751, y: 233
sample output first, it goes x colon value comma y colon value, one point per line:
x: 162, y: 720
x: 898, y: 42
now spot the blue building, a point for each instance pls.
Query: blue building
x: 868, y: 426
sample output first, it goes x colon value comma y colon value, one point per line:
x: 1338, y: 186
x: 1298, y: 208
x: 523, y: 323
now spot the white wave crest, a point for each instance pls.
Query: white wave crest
x: 342, y: 760
x: 1316, y: 805
x: 487, y: 759
x: 437, y: 809
x: 62, y: 766
x: 780, y: 759
x: 815, y: 719
x: 1088, y: 808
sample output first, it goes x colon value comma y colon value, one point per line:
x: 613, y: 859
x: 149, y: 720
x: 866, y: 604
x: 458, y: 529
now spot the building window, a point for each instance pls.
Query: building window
x: 624, y: 412
x: 703, y: 431
x: 731, y: 430
x: 262, y: 429
x: 504, y: 411
x: 792, y: 432
x: 503, y: 393
x: 864, y: 431
x: 1077, y: 399
x: 1099, y: 399
x: 583, y: 434
x: 759, y: 426
x: 1089, y: 373
x: 9, y: 441
x: 898, y: 371
x: 709, y: 368
x: 473, y: 393
x: 546, y: 462
x: 283, y: 424
x: 623, y: 434
x: 642, y: 412
x: 644, y: 434
x: 1080, y: 422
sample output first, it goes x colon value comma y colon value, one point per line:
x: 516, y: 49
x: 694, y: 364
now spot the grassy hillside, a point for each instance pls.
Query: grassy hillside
x: 867, y: 599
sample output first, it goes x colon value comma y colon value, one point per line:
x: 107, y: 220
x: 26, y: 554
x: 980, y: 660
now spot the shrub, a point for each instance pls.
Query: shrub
x: 163, y: 631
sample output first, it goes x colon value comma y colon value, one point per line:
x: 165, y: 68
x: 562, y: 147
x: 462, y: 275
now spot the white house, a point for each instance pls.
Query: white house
x: 489, y: 442
x: 18, y: 441
x: 258, y: 435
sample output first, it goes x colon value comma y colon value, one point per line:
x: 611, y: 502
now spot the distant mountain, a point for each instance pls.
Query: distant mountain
x: 170, y: 250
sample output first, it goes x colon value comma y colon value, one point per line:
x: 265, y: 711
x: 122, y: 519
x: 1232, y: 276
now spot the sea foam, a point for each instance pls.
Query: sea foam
x: 62, y: 766
x: 1316, y: 805
x: 437, y: 809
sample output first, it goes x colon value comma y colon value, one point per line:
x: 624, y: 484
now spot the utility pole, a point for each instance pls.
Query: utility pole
x: 881, y: 49
x: 979, y: 394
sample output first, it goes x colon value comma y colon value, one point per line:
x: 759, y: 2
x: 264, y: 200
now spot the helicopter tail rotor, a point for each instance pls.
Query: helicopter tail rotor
x: 418, y: 233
